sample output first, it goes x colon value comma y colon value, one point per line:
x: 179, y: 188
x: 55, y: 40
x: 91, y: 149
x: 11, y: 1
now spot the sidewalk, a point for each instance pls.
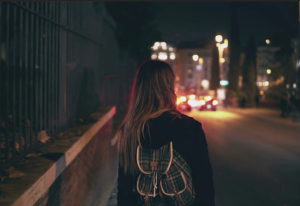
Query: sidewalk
x: 265, y: 114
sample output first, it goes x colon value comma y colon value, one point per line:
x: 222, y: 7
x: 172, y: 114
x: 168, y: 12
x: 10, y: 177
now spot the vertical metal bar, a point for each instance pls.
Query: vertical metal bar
x: 1, y: 82
x: 53, y: 67
x: 21, y: 40
x: 45, y: 69
x: 56, y: 52
x: 68, y: 64
x: 62, y: 66
x: 26, y: 79
x: 57, y: 60
x: 50, y: 67
x: 33, y: 91
x: 73, y: 66
x: 7, y: 68
x: 14, y: 81
x: 7, y: 88
x: 41, y: 67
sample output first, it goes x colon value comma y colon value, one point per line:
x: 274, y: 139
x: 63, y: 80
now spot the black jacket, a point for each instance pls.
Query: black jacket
x: 189, y: 141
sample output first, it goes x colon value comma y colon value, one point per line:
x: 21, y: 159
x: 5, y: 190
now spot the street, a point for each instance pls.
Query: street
x: 255, y: 162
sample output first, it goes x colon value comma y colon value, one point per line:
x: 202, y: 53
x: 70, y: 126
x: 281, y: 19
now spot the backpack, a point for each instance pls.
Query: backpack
x: 164, y: 178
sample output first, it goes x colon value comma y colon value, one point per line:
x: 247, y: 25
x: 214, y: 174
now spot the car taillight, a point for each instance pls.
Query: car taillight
x: 202, y: 102
x: 215, y: 102
x: 183, y: 99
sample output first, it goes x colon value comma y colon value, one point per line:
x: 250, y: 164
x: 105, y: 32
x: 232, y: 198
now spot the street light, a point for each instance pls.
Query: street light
x: 268, y: 41
x: 268, y: 71
x: 219, y: 38
x: 200, y: 61
x: 195, y: 57
x: 225, y: 44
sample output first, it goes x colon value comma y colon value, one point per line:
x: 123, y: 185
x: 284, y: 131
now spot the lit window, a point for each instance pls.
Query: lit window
x: 162, y: 56
x: 153, y: 56
x: 156, y: 45
x: 163, y: 45
x: 172, y: 56
x: 198, y: 67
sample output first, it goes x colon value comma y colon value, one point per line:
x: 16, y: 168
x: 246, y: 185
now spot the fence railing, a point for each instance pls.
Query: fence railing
x: 50, y: 73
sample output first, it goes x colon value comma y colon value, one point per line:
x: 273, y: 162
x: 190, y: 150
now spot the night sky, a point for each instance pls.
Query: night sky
x: 184, y: 21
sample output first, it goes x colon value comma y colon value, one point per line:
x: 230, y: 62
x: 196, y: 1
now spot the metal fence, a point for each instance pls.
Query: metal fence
x: 54, y: 69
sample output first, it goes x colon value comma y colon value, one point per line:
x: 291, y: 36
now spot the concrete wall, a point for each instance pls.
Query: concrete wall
x: 89, y: 178
x: 74, y: 170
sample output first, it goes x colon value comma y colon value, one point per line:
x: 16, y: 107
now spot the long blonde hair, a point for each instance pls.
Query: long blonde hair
x: 152, y: 94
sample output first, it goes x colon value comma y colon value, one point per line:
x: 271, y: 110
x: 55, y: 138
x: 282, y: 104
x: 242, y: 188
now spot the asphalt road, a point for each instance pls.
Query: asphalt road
x: 255, y: 162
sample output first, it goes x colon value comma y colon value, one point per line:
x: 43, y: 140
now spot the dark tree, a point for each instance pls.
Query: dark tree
x: 215, y: 70
x: 136, y: 30
x: 285, y: 57
x: 249, y: 72
x: 234, y: 50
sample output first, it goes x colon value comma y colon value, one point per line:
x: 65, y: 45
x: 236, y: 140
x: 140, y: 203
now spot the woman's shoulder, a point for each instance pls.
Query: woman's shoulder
x: 186, y: 123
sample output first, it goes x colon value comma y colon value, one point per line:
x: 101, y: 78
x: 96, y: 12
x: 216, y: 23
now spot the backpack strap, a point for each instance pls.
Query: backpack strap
x: 171, y: 158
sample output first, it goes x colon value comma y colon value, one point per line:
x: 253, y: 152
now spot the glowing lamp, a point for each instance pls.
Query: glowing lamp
x: 219, y: 38
x: 195, y: 57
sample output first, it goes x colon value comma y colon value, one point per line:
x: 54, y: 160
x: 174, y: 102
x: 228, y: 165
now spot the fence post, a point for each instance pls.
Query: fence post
x: 62, y: 119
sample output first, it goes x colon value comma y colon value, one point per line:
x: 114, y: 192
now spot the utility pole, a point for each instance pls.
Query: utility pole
x: 298, y: 57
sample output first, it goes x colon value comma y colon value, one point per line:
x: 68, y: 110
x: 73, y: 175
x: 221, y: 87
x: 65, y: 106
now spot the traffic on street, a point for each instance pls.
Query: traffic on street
x: 255, y: 162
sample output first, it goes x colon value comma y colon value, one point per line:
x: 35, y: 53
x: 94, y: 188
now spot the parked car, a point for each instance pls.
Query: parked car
x: 183, y: 105
x: 208, y: 103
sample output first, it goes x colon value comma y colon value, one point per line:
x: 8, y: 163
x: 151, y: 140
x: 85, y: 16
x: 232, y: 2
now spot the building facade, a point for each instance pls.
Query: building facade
x: 265, y: 61
x: 165, y: 52
x: 194, y: 61
x: 193, y: 74
x: 191, y: 62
